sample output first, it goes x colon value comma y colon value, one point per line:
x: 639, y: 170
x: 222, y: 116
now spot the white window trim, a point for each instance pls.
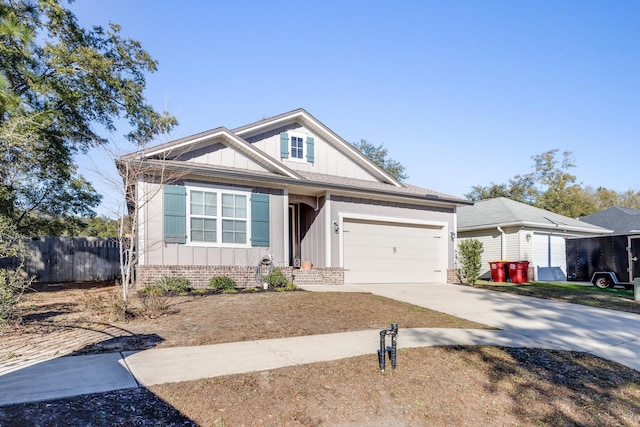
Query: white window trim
x: 304, y: 147
x: 219, y: 191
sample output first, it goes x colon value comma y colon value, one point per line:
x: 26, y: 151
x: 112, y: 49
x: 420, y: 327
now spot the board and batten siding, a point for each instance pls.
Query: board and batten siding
x: 220, y: 154
x: 156, y: 250
x: 314, y: 240
x: 327, y: 159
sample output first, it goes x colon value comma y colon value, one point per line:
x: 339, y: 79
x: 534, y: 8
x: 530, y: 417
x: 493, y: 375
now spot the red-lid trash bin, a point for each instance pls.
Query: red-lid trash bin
x: 498, y: 271
x: 518, y: 271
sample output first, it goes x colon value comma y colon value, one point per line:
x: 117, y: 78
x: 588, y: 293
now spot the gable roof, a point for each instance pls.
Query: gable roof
x: 236, y: 139
x: 277, y: 173
x: 503, y: 212
x: 173, y: 149
x: 620, y: 220
x: 300, y: 115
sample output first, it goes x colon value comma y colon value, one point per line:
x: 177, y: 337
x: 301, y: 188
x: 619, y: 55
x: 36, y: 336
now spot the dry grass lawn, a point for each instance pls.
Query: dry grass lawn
x: 431, y: 386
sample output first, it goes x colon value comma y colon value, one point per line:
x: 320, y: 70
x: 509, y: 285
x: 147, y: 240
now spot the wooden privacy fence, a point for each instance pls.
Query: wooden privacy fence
x: 70, y: 259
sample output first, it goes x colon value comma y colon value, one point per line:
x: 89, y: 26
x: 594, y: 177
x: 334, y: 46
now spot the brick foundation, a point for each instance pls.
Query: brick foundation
x: 453, y: 276
x: 199, y: 275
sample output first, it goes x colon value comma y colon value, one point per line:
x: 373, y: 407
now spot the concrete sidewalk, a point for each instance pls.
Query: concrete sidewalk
x: 524, y: 322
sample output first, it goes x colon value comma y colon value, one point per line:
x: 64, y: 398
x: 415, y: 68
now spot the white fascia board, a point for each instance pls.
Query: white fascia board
x: 183, y: 144
x: 268, y: 123
x: 234, y: 141
x: 535, y: 225
x: 305, y: 117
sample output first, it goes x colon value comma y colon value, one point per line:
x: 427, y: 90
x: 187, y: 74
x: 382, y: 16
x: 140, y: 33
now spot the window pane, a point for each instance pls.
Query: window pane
x: 296, y: 147
x: 234, y: 231
x: 203, y: 230
x: 204, y: 203
x: 211, y: 204
x: 196, y: 202
x: 227, y: 205
x: 241, y: 206
x: 234, y: 206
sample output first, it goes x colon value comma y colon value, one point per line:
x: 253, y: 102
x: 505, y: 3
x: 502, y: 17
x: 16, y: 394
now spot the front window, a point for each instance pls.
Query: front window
x: 297, y: 147
x: 204, y: 214
x: 234, y: 218
x: 218, y: 217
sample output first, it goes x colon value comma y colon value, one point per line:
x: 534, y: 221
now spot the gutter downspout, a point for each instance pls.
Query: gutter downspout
x: 502, y: 242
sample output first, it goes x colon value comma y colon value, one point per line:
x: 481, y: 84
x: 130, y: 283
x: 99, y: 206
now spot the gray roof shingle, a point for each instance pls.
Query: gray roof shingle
x: 620, y: 220
x: 501, y: 211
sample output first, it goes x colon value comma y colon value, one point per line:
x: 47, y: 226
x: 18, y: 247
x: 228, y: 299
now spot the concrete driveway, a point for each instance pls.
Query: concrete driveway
x: 610, y: 334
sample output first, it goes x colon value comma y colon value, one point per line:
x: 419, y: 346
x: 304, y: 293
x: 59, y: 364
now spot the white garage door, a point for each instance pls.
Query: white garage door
x: 376, y: 252
x: 549, y: 251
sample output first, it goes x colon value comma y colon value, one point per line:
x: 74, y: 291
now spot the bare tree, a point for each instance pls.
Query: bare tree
x: 137, y: 170
x: 138, y: 173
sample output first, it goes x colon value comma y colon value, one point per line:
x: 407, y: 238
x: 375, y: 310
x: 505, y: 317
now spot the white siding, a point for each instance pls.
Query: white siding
x: 328, y: 160
x: 218, y: 154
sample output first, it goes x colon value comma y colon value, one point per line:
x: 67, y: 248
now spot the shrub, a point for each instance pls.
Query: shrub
x: 470, y: 252
x: 12, y: 285
x: 152, y: 290
x: 276, y: 279
x: 222, y: 283
x: 154, y: 304
x: 177, y: 285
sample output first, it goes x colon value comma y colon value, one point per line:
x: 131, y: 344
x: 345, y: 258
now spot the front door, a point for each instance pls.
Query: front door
x: 634, y: 257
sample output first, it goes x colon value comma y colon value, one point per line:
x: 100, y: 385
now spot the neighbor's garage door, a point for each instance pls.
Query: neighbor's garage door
x: 549, y: 251
x: 377, y: 252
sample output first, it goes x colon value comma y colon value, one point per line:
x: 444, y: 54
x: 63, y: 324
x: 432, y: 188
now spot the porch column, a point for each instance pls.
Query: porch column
x: 328, y: 230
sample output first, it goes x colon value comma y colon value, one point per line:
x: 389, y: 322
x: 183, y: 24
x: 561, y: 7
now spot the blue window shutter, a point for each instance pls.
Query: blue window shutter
x: 175, y: 214
x: 310, y: 154
x: 284, y: 145
x: 259, y: 220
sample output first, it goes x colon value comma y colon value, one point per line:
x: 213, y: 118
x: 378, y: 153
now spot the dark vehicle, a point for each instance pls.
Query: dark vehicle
x: 604, y: 261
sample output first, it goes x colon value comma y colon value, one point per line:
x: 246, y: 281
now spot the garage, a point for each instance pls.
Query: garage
x: 549, y: 256
x: 390, y: 252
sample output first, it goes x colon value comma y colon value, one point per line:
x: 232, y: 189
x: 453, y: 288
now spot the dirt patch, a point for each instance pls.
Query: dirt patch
x: 440, y: 386
x: 61, y: 320
x: 431, y: 386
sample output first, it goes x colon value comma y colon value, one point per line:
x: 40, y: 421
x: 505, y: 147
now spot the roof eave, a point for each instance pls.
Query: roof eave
x: 285, y: 181
x: 537, y: 225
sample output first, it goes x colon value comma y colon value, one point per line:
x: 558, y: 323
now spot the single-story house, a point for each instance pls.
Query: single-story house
x: 289, y: 189
x: 515, y: 231
x: 620, y: 220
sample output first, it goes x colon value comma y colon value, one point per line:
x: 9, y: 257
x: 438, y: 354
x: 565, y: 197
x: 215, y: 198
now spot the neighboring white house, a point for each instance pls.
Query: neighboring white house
x: 515, y: 231
x: 290, y: 188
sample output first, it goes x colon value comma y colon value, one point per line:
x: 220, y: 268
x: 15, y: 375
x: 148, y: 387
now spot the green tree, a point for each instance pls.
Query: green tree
x: 470, y: 256
x: 378, y: 155
x: 101, y: 226
x: 550, y: 186
x: 559, y: 192
x: 520, y: 188
x: 60, y: 86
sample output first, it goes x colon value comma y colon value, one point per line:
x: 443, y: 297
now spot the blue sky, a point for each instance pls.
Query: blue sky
x: 462, y: 93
